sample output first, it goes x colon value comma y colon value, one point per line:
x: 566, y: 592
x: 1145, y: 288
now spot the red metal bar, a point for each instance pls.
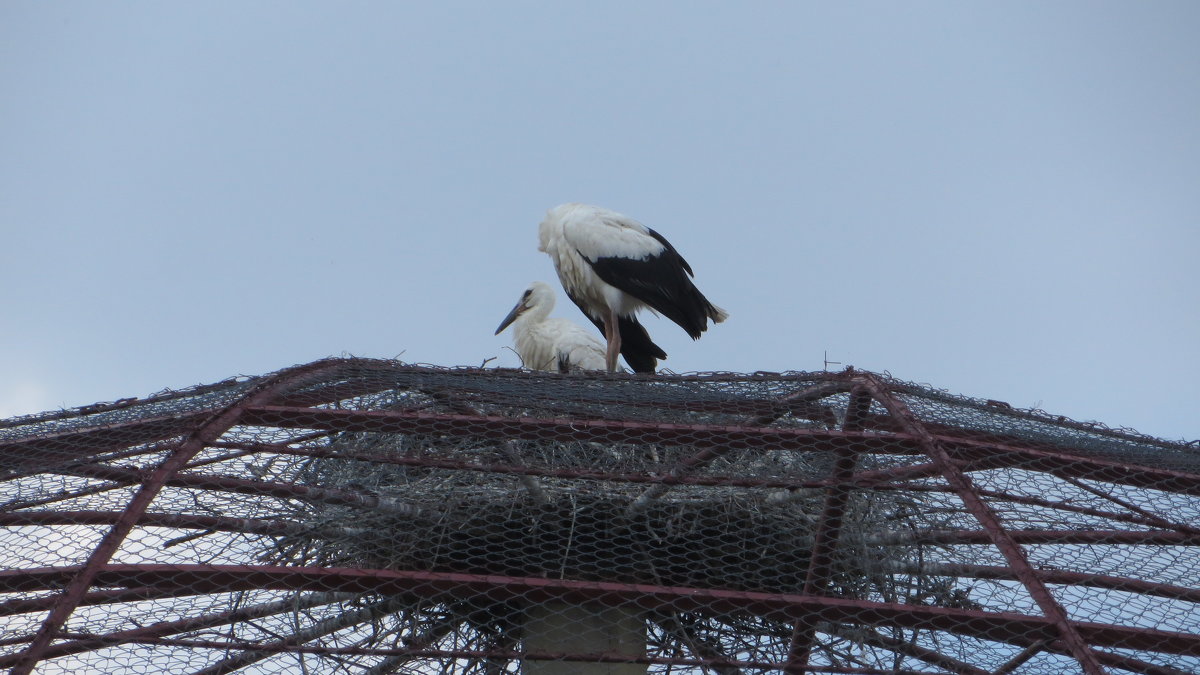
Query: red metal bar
x: 242, y: 486
x: 1065, y: 464
x: 1132, y: 665
x: 326, y: 495
x: 68, y: 446
x: 514, y: 655
x: 912, y: 649
x: 87, y: 643
x: 1059, y: 460
x: 46, y: 603
x: 866, y: 479
x: 904, y: 472
x: 1009, y: 627
x: 272, y: 527
x: 828, y: 530
x: 1011, y: 550
x: 277, y: 527
x: 885, y: 422
x: 346, y: 618
x: 94, y: 408
x: 66, y: 496
x: 459, y: 425
x: 715, y: 437
x: 799, y: 402
x: 1038, y: 537
x: 774, y: 410
x: 109, y: 456
x: 1107, y: 582
x: 997, y: 496
x: 762, y: 411
x: 1040, y: 418
x: 1024, y: 655
x: 1153, y: 518
x: 334, y: 392
x: 104, y: 551
x: 526, y: 470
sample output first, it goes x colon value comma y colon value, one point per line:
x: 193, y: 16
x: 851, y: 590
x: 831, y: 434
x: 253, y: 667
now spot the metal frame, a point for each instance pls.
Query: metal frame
x: 290, y: 399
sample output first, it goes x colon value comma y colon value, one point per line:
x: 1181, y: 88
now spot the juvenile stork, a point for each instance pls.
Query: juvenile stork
x: 550, y: 344
x: 612, y: 266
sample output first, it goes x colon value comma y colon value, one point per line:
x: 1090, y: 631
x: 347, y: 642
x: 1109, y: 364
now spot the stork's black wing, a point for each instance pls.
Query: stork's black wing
x: 661, y: 281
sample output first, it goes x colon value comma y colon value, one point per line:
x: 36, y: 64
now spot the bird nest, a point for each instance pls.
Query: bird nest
x: 590, y: 511
x: 447, y: 520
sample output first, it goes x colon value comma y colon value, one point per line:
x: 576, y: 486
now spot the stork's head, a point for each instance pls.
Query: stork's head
x: 550, y: 230
x: 537, y: 300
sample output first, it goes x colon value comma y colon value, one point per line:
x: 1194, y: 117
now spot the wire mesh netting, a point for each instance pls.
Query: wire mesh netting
x: 361, y: 516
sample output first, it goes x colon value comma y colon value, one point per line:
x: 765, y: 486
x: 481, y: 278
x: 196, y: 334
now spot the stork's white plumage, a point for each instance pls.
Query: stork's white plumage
x: 612, y: 266
x: 544, y: 343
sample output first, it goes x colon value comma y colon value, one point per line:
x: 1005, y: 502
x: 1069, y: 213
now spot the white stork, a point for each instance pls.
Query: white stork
x: 550, y: 344
x: 612, y: 266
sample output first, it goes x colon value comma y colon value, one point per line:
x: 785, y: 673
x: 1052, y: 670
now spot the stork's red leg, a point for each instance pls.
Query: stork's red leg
x: 612, y: 333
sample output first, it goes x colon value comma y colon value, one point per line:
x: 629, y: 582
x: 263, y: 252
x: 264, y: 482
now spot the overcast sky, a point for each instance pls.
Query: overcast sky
x: 1001, y: 200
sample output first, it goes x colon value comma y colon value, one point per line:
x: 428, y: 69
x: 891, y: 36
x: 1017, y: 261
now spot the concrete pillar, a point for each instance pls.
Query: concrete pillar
x: 566, y: 628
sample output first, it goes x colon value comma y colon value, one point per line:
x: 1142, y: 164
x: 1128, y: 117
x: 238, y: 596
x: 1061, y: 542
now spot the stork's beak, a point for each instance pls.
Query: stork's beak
x: 512, y: 316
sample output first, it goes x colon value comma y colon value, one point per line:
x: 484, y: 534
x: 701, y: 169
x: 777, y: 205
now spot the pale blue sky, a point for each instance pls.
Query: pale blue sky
x: 1000, y: 200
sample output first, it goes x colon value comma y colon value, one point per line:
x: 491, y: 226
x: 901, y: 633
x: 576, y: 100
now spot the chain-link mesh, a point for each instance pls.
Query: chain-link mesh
x: 357, y: 516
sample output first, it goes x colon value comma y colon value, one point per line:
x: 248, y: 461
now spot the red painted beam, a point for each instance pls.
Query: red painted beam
x: 1012, y: 551
x: 199, y: 481
x: 1107, y: 582
x: 78, y: 586
x: 125, y: 403
x: 1187, y: 537
x: 601, y: 431
x: 84, y: 643
x: 1038, y: 537
x: 438, y: 586
x: 1073, y: 463
x: 107, y: 597
x: 432, y: 462
x: 45, y: 450
x: 513, y: 655
x: 827, y: 533
x: 1053, y: 505
x: 984, y: 454
x: 276, y: 527
x: 272, y: 527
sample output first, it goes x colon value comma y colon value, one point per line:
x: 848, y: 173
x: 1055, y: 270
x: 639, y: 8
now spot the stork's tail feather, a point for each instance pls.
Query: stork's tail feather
x: 717, y: 314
